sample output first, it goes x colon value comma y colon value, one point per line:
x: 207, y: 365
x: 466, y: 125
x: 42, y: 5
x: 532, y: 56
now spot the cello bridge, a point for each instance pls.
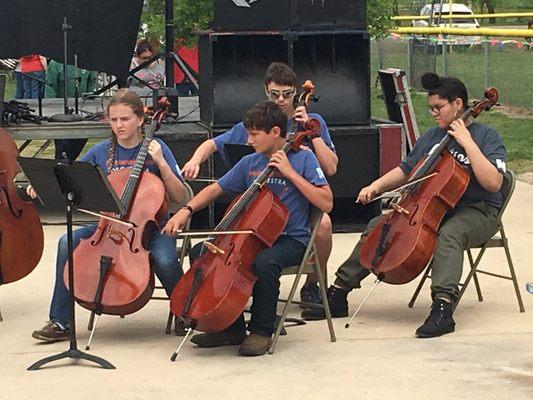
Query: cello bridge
x: 213, y: 249
x: 400, y: 209
x: 117, y: 237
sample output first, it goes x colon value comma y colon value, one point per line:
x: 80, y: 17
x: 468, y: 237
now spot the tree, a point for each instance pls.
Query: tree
x: 379, y: 17
x: 189, y: 16
x: 490, y: 8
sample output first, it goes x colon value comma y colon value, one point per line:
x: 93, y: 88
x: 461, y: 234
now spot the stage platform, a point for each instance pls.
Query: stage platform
x: 188, y: 121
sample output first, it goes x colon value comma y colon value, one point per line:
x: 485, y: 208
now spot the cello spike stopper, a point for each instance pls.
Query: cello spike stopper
x: 182, y: 342
x: 88, y: 347
x: 376, y: 283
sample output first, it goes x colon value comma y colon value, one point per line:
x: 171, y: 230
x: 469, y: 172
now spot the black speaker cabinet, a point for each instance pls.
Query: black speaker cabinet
x: 232, y: 71
x: 272, y: 15
x: 359, y: 165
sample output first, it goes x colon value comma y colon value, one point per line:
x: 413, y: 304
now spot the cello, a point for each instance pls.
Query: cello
x: 112, y: 269
x: 21, y: 232
x: 401, y: 245
x: 215, y: 290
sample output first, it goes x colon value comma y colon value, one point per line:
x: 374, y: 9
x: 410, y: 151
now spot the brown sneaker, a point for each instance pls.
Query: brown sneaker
x: 224, y: 338
x: 255, y: 345
x: 51, y: 332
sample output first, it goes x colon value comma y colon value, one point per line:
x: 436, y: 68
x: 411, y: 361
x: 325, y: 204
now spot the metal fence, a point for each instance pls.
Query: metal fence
x: 504, y: 64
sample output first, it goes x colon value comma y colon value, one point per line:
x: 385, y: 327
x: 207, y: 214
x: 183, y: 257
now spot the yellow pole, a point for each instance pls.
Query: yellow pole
x: 519, y: 33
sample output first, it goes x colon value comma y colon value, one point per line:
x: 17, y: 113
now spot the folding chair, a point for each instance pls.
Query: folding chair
x: 183, y: 250
x: 308, y: 265
x: 499, y: 239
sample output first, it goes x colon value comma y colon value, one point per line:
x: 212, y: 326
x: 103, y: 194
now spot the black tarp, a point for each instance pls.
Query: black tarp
x: 103, y: 32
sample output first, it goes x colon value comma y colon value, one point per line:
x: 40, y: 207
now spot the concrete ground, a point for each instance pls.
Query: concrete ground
x: 490, y: 356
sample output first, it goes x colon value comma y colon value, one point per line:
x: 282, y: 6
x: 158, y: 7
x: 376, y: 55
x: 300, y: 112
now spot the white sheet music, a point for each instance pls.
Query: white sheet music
x: 241, y: 3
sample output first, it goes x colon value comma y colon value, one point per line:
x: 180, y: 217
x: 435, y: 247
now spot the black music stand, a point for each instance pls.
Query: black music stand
x: 83, y: 186
x: 235, y: 152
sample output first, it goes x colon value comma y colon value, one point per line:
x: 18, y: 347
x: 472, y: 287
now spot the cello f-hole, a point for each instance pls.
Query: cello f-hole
x: 227, y: 263
x: 414, y: 213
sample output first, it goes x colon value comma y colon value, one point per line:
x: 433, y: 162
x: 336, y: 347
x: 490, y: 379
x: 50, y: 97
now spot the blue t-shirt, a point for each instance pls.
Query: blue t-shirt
x: 238, y: 135
x: 242, y: 175
x: 489, y: 142
x: 125, y: 158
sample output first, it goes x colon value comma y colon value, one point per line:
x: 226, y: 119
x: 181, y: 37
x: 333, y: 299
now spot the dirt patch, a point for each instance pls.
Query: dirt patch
x: 515, y: 112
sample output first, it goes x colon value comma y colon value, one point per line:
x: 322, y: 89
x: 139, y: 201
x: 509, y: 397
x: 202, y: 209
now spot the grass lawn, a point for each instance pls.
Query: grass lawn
x: 509, y: 68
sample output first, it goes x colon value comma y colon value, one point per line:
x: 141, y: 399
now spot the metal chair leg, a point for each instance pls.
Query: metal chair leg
x: 325, y: 302
x: 513, y: 273
x: 476, y: 280
x: 169, y: 323
x: 419, y: 287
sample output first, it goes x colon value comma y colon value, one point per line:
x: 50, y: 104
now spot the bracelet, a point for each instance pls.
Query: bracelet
x: 188, y: 207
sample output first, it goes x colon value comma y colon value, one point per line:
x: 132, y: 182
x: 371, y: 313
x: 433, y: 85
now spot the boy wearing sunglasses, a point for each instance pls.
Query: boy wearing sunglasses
x: 280, y: 87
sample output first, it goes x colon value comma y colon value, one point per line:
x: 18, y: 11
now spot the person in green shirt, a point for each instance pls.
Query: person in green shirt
x: 55, y: 87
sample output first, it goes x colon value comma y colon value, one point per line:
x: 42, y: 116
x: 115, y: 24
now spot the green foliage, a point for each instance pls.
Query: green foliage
x: 189, y: 16
x: 379, y: 13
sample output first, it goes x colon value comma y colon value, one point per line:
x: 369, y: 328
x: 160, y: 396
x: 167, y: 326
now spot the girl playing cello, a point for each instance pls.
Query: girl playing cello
x: 126, y: 117
x: 479, y: 149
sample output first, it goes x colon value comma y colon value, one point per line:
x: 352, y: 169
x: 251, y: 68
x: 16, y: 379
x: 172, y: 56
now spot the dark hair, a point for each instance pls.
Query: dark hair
x: 281, y: 74
x: 131, y: 99
x: 264, y: 116
x: 445, y: 87
x: 142, y: 46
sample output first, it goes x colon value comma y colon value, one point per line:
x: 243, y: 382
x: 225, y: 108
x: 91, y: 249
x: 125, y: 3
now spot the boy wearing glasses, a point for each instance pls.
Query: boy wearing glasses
x: 280, y: 87
x: 473, y: 221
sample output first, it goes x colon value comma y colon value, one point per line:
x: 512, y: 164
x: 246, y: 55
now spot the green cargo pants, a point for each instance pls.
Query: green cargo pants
x: 465, y: 226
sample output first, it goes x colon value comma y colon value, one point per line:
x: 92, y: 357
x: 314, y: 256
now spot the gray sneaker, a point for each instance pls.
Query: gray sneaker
x: 51, y: 332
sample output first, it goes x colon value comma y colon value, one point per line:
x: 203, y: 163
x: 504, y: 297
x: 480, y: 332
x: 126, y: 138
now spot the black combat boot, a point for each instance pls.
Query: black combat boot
x: 439, y: 322
x: 338, y: 305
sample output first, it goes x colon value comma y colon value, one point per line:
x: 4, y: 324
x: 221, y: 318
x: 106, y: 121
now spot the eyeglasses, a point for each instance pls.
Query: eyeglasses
x: 436, y: 108
x: 274, y: 94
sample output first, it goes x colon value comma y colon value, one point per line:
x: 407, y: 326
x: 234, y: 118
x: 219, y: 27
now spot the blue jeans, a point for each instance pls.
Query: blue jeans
x: 19, y: 92
x: 267, y: 266
x: 162, y: 252
x: 32, y: 86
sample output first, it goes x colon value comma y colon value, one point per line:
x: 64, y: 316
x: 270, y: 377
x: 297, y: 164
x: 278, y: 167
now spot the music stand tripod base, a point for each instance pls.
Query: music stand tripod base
x: 84, y: 186
x: 72, y: 353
